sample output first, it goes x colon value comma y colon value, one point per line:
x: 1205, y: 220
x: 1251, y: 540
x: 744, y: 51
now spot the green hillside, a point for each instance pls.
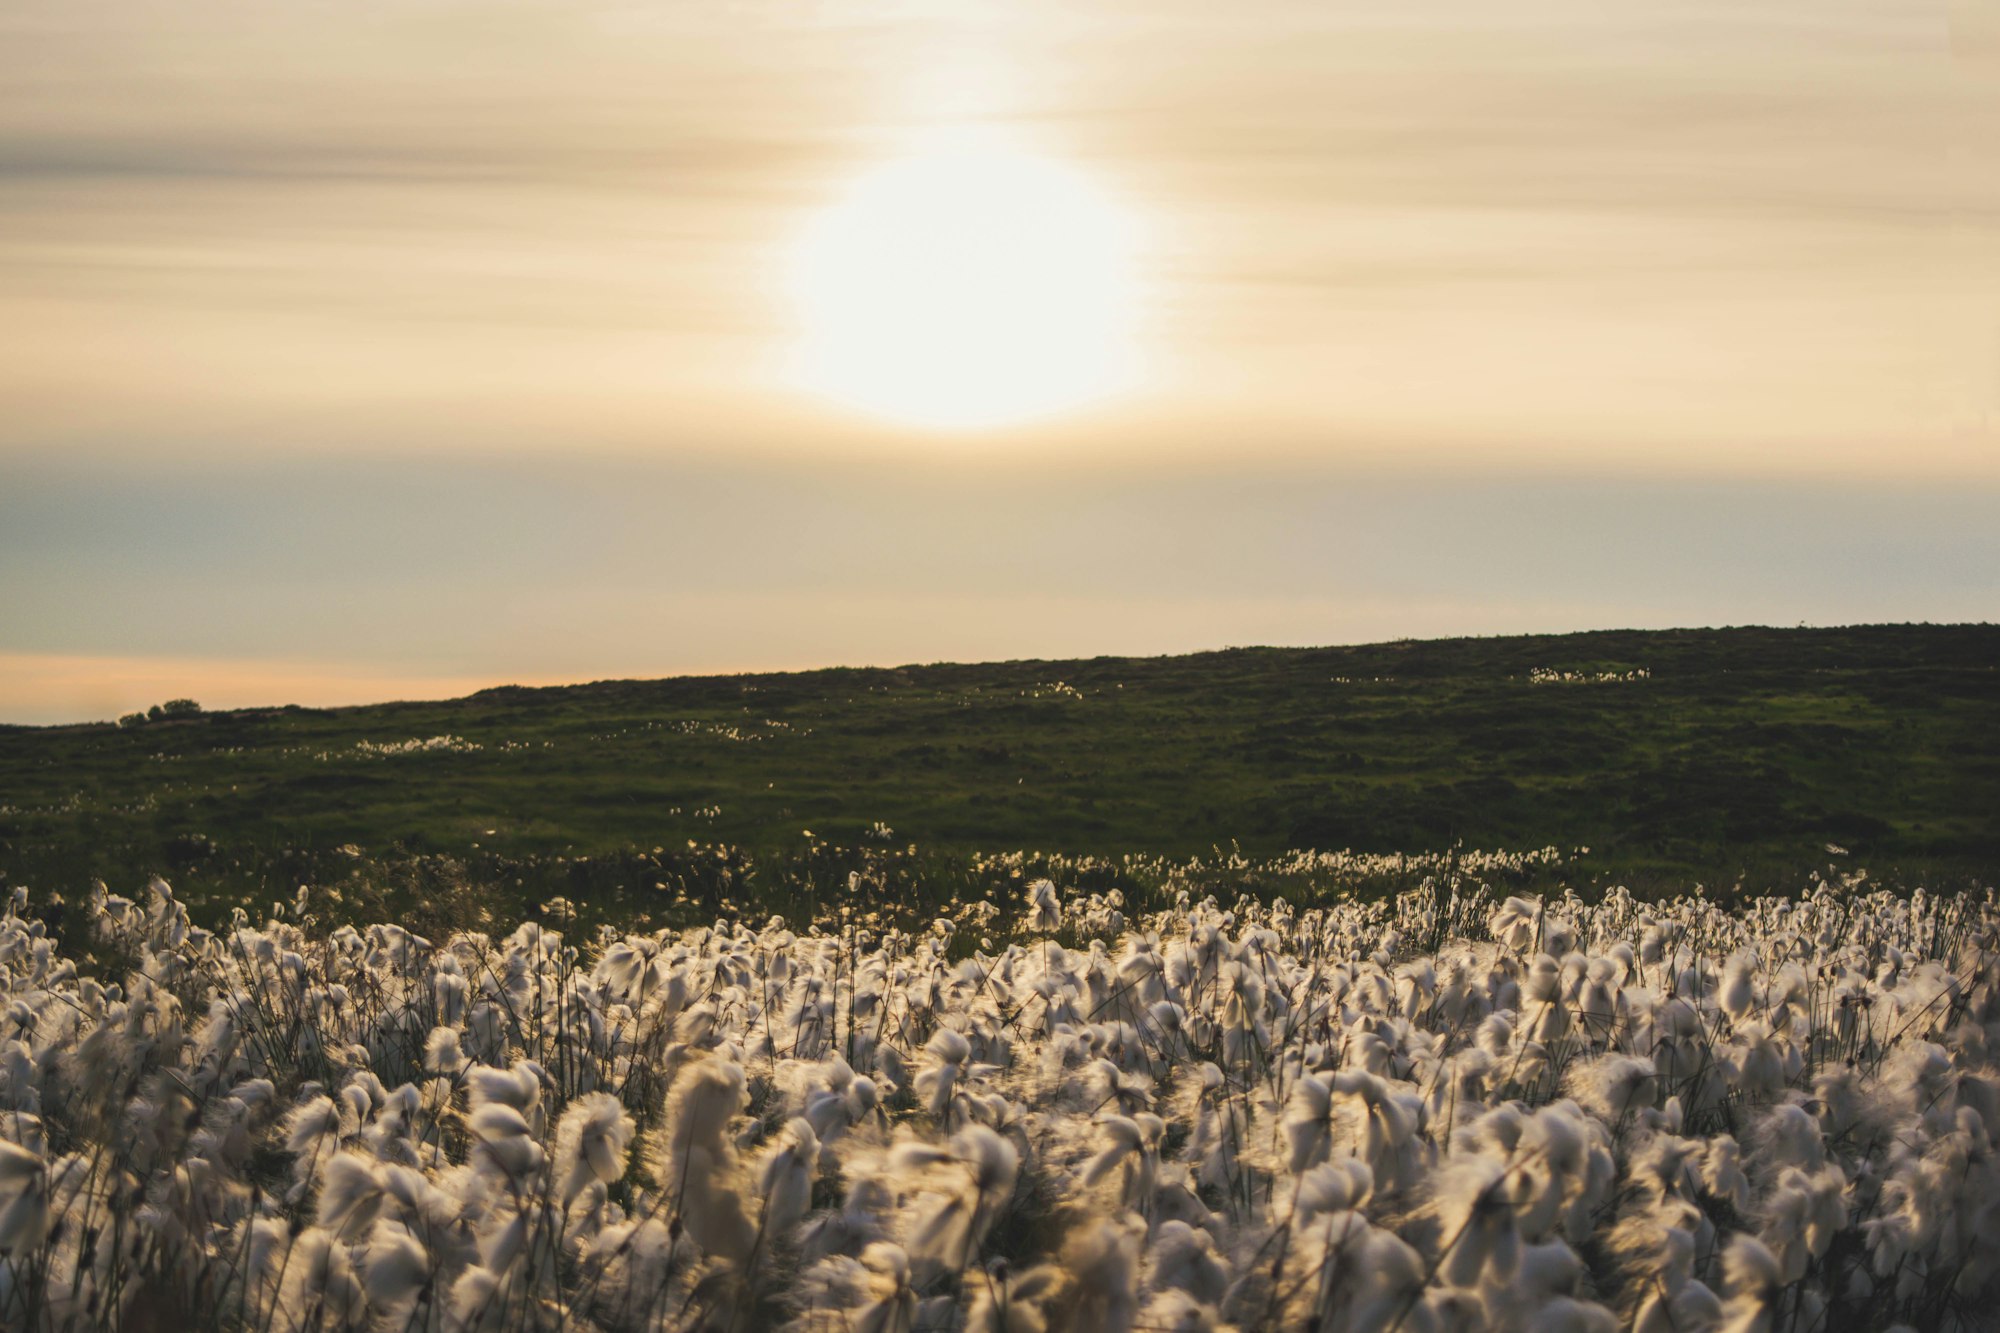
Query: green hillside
x: 1736, y: 751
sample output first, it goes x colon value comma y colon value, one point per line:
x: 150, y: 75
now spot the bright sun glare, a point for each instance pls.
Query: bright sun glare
x: 967, y: 284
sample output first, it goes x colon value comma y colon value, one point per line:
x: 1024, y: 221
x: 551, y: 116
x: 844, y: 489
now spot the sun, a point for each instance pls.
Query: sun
x: 968, y: 284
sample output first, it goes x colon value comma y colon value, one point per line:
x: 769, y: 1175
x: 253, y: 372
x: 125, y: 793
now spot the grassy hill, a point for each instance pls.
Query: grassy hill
x: 1705, y: 753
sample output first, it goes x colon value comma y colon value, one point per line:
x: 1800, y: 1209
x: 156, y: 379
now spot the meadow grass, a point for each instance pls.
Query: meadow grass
x: 1738, y: 755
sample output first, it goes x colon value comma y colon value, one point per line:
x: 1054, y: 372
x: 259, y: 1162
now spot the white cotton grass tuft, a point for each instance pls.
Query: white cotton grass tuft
x: 24, y: 1210
x: 1044, y: 908
x: 1183, y: 1258
x: 1564, y: 1314
x: 350, y: 1195
x: 1753, y: 1280
x: 868, y: 1294
x: 1334, y: 1187
x: 1131, y: 1152
x: 1307, y: 1122
x: 1101, y: 1259
x: 319, y: 1278
x: 784, y: 1181
x: 1615, y: 1087
x: 506, y: 1142
x: 938, y: 1081
x: 1174, y: 1311
x: 394, y: 1267
x: 1004, y: 1301
x: 1738, y: 992
x: 1439, y: 1112
x: 442, y: 1053
x: 1476, y: 1206
x: 476, y: 1302
x: 969, y: 1178
x: 1515, y: 924
x: 518, y: 1088
x: 591, y: 1141
x: 701, y: 1163
x: 310, y: 1125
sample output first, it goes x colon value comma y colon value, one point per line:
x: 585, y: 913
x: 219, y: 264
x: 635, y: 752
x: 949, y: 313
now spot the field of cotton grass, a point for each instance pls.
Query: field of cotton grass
x: 1439, y: 1111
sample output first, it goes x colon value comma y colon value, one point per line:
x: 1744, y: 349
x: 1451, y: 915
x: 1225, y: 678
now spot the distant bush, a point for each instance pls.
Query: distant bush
x: 132, y: 720
x: 173, y: 708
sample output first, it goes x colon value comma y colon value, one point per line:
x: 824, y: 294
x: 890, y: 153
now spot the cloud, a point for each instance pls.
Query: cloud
x: 1646, y: 230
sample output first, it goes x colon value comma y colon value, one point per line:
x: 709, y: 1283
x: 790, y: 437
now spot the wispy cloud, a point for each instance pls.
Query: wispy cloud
x: 1648, y: 232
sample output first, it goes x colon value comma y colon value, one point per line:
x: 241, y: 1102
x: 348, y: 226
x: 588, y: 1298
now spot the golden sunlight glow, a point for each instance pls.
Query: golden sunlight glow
x: 967, y: 284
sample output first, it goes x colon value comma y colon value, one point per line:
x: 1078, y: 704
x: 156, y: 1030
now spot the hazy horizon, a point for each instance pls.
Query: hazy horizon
x: 162, y: 680
x: 544, y: 573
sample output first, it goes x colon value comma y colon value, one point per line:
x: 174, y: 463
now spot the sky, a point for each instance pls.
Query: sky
x: 369, y: 350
